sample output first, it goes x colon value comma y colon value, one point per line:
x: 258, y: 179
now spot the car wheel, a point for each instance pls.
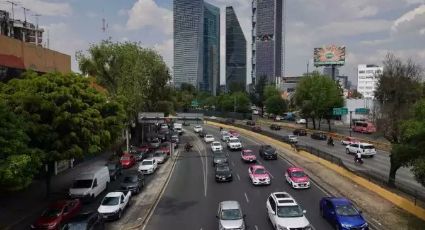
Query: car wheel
x: 347, y: 151
x: 119, y: 214
x: 137, y: 190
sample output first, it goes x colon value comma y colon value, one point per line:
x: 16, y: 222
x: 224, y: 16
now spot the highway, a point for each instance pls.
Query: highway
x: 191, y: 198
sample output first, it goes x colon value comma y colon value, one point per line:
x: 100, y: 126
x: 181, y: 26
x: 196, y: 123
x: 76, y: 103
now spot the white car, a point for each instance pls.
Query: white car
x: 225, y: 137
x: 301, y: 121
x: 113, y: 204
x: 365, y: 149
x: 234, y: 143
x: 216, y: 146
x: 197, y: 129
x: 148, y: 166
x: 208, y: 138
x: 291, y: 138
x: 285, y: 213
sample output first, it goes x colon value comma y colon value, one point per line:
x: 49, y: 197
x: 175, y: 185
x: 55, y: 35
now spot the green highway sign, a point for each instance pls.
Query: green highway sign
x: 195, y: 103
x: 361, y: 111
x: 339, y: 111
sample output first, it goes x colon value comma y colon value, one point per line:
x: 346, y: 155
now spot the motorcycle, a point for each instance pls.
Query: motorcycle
x: 188, y: 147
x: 331, y: 142
x: 358, y: 160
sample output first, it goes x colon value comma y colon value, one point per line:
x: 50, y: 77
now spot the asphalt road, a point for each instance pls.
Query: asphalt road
x: 191, y: 198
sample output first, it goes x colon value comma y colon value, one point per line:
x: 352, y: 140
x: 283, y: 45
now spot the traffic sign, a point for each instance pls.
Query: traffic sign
x: 339, y: 111
x: 362, y: 111
x: 195, y: 103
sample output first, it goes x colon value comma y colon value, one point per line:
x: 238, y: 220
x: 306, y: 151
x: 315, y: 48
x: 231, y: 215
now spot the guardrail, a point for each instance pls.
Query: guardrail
x: 416, y: 195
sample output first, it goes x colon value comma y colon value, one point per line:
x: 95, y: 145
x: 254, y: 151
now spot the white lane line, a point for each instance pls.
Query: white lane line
x: 376, y: 221
x: 271, y: 175
x: 239, y: 178
x: 246, y: 197
x: 259, y: 162
x: 204, y: 169
x: 233, y: 164
x: 256, y: 227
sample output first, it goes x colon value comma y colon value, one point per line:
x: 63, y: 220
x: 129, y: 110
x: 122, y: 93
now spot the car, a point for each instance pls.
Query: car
x: 114, y: 204
x: 223, y: 132
x: 230, y: 216
x: 365, y: 149
x: 278, y: 118
x: 268, y: 152
x: 163, y: 126
x: 213, y: 118
x: 160, y: 156
x: 341, y: 213
x: 208, y: 138
x: 85, y: 221
x: 148, y: 166
x: 225, y: 137
x: 57, y: 213
x: 233, y: 133
x: 285, y: 213
x: 259, y: 175
x: 234, y: 143
x: 219, y: 157
x: 90, y: 183
x: 255, y: 112
x: 223, y: 173
x: 175, y: 140
x: 178, y: 128
x: 127, y: 160
x: 300, y: 132
x: 290, y: 139
x: 165, y: 148
x: 250, y: 123
x: 197, y: 128
x: 202, y: 134
x: 229, y: 121
x: 115, y: 169
x: 319, y: 136
x: 301, y: 121
x: 162, y: 137
x: 139, y: 153
x: 133, y: 181
x: 297, y: 178
x: 275, y: 127
x: 349, y: 141
x: 155, y: 142
x: 216, y: 146
x: 256, y: 128
x: 248, y: 156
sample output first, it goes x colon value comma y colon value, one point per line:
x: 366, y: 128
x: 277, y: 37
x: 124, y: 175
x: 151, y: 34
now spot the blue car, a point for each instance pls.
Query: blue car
x: 342, y: 214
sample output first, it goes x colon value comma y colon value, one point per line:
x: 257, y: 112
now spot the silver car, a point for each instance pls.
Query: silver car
x: 230, y: 215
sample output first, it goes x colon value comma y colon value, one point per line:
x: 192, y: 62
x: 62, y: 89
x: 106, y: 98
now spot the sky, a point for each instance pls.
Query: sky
x: 368, y: 28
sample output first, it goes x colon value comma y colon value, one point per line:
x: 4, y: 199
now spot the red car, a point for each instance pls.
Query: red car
x: 256, y: 128
x: 349, y: 141
x: 143, y: 148
x: 127, y: 161
x: 248, y: 156
x: 165, y: 148
x: 57, y: 213
x: 297, y: 178
x: 233, y: 133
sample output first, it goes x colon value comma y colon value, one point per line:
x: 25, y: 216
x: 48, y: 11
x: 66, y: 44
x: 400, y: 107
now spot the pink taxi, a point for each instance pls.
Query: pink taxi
x: 297, y: 178
x: 248, y: 156
x: 233, y: 133
x: 259, y: 175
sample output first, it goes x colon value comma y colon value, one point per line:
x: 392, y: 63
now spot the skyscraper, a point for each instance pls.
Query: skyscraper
x: 211, y: 56
x: 267, y: 39
x: 235, y: 52
x: 188, y: 41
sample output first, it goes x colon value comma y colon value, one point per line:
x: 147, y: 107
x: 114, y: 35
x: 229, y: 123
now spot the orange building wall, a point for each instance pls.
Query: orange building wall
x: 35, y: 57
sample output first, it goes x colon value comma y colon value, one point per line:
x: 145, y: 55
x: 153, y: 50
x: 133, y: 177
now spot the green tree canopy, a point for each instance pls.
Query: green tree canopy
x: 276, y: 105
x: 270, y: 91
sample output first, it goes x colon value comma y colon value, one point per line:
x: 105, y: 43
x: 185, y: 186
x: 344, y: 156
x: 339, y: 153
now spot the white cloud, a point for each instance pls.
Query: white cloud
x: 47, y: 8
x: 351, y: 28
x: 147, y: 14
x: 411, y: 21
x: 166, y: 51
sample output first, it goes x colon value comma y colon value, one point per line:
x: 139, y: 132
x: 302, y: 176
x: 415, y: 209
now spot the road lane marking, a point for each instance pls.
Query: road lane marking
x: 256, y: 227
x: 259, y: 162
x: 246, y: 197
x: 233, y: 164
x: 239, y: 178
x: 204, y: 167
x: 271, y: 175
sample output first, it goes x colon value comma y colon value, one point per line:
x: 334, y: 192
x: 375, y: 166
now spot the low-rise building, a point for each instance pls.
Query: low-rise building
x: 368, y: 76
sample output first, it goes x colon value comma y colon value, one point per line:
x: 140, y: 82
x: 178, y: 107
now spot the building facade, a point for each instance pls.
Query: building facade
x: 21, y: 30
x: 188, y: 36
x: 235, y: 53
x: 327, y: 70
x: 211, y: 56
x: 367, y: 78
x: 267, y: 39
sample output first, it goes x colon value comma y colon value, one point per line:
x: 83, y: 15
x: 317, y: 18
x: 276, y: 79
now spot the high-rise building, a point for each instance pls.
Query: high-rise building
x: 235, y: 53
x: 267, y: 39
x: 188, y: 41
x: 327, y: 70
x: 367, y: 78
x: 210, y: 81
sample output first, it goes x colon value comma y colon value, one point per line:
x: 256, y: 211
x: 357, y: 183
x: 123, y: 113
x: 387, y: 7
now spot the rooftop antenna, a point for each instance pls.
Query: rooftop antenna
x: 13, y: 11
x: 37, y: 16
x: 25, y: 14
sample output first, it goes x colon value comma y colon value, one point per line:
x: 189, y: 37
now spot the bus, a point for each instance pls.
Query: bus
x: 364, y: 127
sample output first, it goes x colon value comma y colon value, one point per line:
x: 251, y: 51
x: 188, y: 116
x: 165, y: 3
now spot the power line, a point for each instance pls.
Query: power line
x: 13, y: 11
x: 25, y: 14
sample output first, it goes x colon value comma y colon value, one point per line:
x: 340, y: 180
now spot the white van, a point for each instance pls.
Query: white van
x: 91, y: 183
x: 178, y: 128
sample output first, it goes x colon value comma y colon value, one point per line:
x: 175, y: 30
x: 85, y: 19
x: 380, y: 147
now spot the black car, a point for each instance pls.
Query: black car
x: 202, y: 134
x: 229, y: 121
x: 275, y: 127
x: 175, y: 139
x: 115, y: 169
x: 219, y: 157
x: 85, y: 221
x: 319, y: 136
x: 162, y: 137
x: 133, y: 181
x: 223, y: 173
x: 250, y: 123
x: 300, y: 132
x: 268, y: 152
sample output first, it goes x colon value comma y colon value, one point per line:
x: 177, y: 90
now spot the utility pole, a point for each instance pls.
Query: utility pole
x: 36, y: 28
x: 13, y: 16
x: 25, y: 14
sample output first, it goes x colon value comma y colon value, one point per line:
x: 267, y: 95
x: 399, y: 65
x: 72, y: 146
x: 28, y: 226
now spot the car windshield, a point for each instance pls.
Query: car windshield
x: 216, y: 143
x: 147, y: 163
x: 130, y: 179
x: 260, y: 171
x: 248, y: 153
x: 52, y: 212
x: 75, y: 226
x: 111, y: 166
x: 198, y: 127
x: 346, y: 210
x: 368, y: 147
x: 110, y: 201
x: 158, y: 154
x: 125, y: 158
x: 223, y: 168
x: 298, y: 174
x: 289, y: 211
x: 219, y: 155
x: 82, y: 184
x: 231, y: 214
x: 208, y: 136
x: 234, y: 141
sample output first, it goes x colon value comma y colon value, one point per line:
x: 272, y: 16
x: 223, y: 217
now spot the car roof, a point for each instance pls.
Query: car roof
x: 215, y: 142
x: 294, y: 169
x: 365, y: 144
x: 247, y: 151
x: 258, y: 167
x: 230, y: 204
x: 339, y: 200
x: 113, y: 194
x: 149, y: 159
x: 284, y: 199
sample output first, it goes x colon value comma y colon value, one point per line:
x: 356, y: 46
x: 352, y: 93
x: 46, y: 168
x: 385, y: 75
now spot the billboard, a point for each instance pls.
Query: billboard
x: 329, y: 55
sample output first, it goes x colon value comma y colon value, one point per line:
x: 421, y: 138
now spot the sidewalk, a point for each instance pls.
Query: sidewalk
x: 26, y: 205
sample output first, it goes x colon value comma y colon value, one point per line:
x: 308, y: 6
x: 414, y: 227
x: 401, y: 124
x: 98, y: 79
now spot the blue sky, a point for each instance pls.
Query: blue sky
x: 369, y: 29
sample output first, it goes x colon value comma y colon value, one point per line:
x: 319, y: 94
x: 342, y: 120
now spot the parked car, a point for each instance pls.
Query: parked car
x: 223, y: 173
x: 90, y: 183
x: 259, y: 175
x: 297, y: 178
x: 290, y: 138
x: 229, y: 121
x: 175, y: 139
x: 349, y: 141
x: 155, y: 142
x: 341, y: 213
x: 365, y: 149
x: 138, y: 155
x: 268, y: 152
x: 319, y: 136
x: 57, y: 213
x: 202, y: 134
x: 250, y: 123
x: 248, y: 156
x: 127, y: 160
x: 256, y: 129
x: 160, y: 157
x: 301, y: 121
x: 115, y: 169
x: 300, y: 132
x: 234, y: 143
x: 85, y: 221
x: 233, y: 133
x: 197, y: 128
x: 133, y: 181
x: 285, y: 213
x: 165, y: 148
x: 219, y: 157
x: 162, y: 137
x: 113, y: 204
x: 216, y: 146
x: 275, y: 127
x: 208, y: 138
x: 148, y: 166
x: 230, y: 215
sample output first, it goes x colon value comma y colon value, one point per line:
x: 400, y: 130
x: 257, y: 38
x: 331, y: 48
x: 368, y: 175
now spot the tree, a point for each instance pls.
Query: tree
x: 236, y: 87
x: 398, y: 89
x: 270, y: 91
x: 67, y: 118
x: 241, y: 102
x: 257, y: 95
x: 276, y: 105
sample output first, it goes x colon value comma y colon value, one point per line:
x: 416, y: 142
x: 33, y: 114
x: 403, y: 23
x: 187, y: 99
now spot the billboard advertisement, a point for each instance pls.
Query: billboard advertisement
x: 329, y: 55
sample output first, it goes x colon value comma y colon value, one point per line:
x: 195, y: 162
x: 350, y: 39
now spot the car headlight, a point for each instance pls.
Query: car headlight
x: 308, y: 227
x: 282, y: 228
x: 346, y: 225
x: 364, y: 225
